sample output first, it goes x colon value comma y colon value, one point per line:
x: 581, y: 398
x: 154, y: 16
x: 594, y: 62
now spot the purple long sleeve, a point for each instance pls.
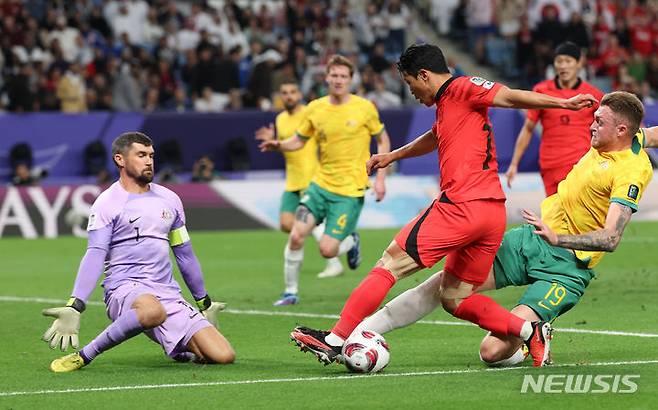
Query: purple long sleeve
x: 91, y: 265
x: 190, y: 269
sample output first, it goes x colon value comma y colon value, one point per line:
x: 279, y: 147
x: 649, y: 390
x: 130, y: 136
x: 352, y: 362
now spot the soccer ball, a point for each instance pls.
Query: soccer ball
x: 365, y: 352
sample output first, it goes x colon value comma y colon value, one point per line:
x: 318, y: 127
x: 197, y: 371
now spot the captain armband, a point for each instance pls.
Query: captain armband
x: 178, y: 236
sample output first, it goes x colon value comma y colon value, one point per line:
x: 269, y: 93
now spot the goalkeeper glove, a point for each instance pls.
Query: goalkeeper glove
x: 64, y: 330
x: 210, y: 309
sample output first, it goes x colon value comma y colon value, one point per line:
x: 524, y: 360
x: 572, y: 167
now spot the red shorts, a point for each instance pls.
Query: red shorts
x: 468, y: 233
x: 552, y: 177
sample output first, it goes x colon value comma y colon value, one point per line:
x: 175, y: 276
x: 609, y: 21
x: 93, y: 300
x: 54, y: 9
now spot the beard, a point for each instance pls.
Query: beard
x: 142, y: 178
x: 289, y: 107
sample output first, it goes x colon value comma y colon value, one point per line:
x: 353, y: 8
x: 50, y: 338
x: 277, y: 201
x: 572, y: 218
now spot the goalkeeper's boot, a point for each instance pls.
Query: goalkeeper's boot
x: 287, y: 299
x: 311, y: 340
x: 539, y: 343
x: 354, y: 254
x: 67, y: 363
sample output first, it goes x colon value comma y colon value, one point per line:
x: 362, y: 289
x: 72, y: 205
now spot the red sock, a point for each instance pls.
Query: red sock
x: 364, y: 300
x: 489, y: 315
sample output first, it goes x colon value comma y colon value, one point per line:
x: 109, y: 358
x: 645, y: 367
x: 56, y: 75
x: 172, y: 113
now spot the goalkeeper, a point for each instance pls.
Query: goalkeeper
x: 131, y: 228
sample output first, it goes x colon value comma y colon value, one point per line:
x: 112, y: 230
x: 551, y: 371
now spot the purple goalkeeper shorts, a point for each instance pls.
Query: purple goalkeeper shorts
x: 183, y: 319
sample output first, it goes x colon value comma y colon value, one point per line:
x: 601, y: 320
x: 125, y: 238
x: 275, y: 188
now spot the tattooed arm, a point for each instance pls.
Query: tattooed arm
x: 605, y: 239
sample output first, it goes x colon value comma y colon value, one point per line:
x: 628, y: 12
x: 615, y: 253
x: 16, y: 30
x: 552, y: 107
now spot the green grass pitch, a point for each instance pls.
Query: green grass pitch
x: 433, y: 365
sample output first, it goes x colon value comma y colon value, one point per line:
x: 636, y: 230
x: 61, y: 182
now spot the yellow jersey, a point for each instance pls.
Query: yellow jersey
x: 343, y: 133
x: 599, y: 178
x: 300, y: 164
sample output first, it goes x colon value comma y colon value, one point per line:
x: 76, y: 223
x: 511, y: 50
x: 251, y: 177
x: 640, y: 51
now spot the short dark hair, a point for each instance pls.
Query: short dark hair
x: 423, y: 56
x: 123, y: 142
x: 627, y: 106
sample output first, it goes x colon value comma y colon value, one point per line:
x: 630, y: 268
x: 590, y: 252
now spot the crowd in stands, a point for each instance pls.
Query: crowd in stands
x: 620, y: 37
x: 205, y: 56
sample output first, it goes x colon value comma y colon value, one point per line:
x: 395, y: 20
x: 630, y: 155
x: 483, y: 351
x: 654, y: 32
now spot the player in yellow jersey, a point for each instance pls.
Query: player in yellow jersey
x: 300, y: 165
x: 343, y: 125
x: 555, y: 254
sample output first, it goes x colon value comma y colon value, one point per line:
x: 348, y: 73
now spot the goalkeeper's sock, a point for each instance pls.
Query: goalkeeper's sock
x: 364, y: 300
x: 407, y: 308
x: 123, y: 328
x: 489, y: 315
x: 291, y: 266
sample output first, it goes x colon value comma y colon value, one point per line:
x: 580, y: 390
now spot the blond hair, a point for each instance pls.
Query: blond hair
x: 337, y: 59
x: 625, y: 106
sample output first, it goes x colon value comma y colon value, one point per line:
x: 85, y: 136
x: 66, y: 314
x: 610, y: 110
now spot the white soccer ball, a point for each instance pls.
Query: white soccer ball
x: 366, y: 352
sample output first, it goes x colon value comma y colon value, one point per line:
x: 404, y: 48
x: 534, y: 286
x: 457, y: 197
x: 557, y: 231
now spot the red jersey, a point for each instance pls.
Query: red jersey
x: 466, y: 149
x: 565, y: 137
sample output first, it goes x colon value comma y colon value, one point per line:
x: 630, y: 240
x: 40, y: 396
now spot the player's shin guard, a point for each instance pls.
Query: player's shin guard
x: 126, y: 326
x: 364, y: 300
x: 407, y: 308
x: 489, y: 315
x: 291, y: 266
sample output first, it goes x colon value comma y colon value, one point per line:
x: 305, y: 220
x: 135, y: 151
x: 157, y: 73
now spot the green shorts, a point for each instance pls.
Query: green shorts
x: 556, y: 278
x: 290, y: 201
x: 341, y: 212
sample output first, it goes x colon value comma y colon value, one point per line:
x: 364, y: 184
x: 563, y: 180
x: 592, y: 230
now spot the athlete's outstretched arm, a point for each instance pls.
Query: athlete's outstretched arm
x: 422, y: 145
x: 383, y: 147
x: 651, y: 137
x: 511, y: 98
x: 521, y: 145
x: 293, y: 143
x: 605, y: 239
x: 91, y: 265
x: 64, y: 330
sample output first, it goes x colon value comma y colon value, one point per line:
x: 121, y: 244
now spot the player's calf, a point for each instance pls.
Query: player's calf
x: 500, y: 351
x: 210, y: 346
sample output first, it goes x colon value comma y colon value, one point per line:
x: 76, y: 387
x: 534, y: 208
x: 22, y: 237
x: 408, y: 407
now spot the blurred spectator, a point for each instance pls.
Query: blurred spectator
x: 210, y: 101
x: 203, y: 170
x: 259, y: 88
x: 576, y: 32
x: 71, y: 91
x: 127, y: 88
x: 378, y: 60
x: 66, y: 36
x: 95, y: 161
x: 20, y: 161
x: 20, y: 91
x: 180, y: 103
x: 398, y: 18
x: 381, y: 97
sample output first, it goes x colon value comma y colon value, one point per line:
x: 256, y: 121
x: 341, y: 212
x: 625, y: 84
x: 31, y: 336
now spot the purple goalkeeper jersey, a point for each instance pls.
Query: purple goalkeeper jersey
x: 138, y: 248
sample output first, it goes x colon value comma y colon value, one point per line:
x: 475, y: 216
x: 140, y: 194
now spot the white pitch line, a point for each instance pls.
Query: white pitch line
x: 309, y: 379
x: 328, y: 316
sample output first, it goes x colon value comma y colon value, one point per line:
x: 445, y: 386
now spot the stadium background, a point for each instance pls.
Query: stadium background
x: 200, y: 77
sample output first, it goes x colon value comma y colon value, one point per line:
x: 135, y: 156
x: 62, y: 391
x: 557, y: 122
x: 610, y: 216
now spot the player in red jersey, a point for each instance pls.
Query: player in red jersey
x: 565, y: 137
x: 467, y: 220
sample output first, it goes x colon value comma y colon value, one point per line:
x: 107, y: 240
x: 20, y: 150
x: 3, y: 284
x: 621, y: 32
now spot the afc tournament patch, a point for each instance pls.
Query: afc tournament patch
x: 477, y: 80
x: 90, y: 223
x: 633, y: 190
